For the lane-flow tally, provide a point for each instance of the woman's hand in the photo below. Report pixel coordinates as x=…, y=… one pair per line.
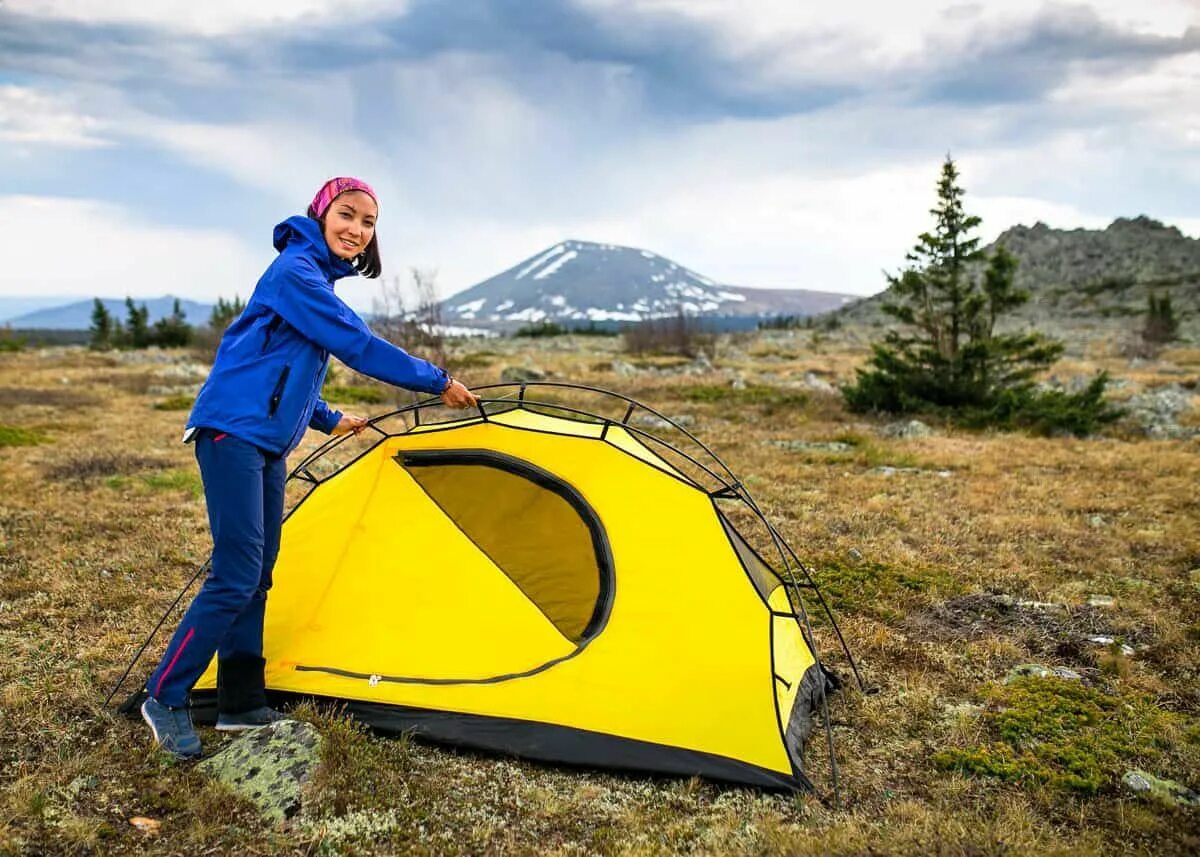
x=350, y=425
x=456, y=395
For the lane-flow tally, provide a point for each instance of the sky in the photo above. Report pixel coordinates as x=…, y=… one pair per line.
x=149, y=148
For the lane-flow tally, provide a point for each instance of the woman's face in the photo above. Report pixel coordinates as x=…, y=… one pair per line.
x=350, y=223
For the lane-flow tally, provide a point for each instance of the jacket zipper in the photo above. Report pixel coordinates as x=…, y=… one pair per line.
x=269, y=331
x=277, y=393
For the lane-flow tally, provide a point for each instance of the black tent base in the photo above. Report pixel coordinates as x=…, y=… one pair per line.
x=543, y=742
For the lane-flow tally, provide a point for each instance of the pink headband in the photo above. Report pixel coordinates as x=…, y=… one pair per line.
x=335, y=187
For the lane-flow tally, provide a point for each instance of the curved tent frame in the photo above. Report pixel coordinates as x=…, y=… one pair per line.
x=792, y=573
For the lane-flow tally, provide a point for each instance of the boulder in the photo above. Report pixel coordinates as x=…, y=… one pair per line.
x=1039, y=671
x=269, y=766
x=521, y=374
x=817, y=384
x=1164, y=791
x=906, y=430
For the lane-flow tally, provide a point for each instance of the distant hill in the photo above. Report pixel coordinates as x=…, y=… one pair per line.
x=1096, y=280
x=576, y=282
x=19, y=305
x=78, y=315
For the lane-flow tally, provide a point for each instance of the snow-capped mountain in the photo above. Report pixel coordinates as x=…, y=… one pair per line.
x=579, y=281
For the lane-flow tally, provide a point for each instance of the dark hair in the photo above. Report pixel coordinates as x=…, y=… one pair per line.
x=368, y=262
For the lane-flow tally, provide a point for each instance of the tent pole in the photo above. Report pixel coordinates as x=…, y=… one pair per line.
x=201, y=570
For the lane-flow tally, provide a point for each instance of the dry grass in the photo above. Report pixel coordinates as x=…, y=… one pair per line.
x=941, y=582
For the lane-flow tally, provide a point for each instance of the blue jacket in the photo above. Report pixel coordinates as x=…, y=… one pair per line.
x=265, y=384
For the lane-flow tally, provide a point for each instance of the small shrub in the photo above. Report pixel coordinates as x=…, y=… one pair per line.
x=17, y=436
x=175, y=403
x=351, y=394
x=9, y=341
x=82, y=468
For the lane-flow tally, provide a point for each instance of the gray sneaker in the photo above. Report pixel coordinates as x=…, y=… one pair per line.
x=254, y=719
x=172, y=728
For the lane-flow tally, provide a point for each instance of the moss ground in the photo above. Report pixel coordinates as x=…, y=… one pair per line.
x=982, y=551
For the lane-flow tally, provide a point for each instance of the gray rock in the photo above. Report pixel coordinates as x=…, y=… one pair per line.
x=855, y=555
x=269, y=766
x=1100, y=601
x=520, y=374
x=655, y=422
x=1164, y=791
x=818, y=384
x=1194, y=577
x=888, y=470
x=812, y=445
x=184, y=372
x=1105, y=640
x=623, y=369
x=1039, y=671
x=1096, y=521
x=738, y=383
x=1158, y=411
x=650, y=421
x=906, y=430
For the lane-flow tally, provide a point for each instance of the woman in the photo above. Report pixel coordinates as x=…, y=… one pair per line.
x=261, y=396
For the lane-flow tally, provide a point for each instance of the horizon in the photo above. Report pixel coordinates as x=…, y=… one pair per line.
x=786, y=148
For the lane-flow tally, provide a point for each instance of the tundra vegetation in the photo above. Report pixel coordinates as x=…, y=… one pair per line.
x=951, y=556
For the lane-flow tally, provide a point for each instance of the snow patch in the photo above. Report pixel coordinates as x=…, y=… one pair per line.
x=730, y=296
x=470, y=307
x=648, y=255
x=595, y=314
x=556, y=300
x=502, y=307
x=527, y=314
x=549, y=254
x=555, y=265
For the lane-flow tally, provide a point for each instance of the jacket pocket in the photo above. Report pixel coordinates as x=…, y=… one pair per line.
x=277, y=393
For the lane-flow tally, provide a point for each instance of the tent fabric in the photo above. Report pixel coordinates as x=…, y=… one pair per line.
x=544, y=586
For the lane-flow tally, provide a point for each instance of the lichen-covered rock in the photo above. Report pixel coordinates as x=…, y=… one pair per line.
x=1038, y=671
x=1158, y=789
x=905, y=430
x=269, y=766
x=520, y=374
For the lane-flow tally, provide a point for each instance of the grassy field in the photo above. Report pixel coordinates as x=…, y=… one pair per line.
x=979, y=552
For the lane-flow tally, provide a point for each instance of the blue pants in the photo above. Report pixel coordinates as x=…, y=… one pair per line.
x=243, y=487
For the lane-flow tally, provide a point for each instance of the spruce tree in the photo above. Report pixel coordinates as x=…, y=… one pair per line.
x=224, y=312
x=173, y=331
x=102, y=326
x=946, y=355
x=137, y=326
x=1161, y=324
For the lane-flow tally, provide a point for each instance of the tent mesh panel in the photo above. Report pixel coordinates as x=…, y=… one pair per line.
x=531, y=533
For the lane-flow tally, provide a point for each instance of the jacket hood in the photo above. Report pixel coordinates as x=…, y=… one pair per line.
x=305, y=233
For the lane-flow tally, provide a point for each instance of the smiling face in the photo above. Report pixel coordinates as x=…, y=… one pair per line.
x=350, y=223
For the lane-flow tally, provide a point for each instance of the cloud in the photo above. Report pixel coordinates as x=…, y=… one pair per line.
x=93, y=247
x=30, y=117
x=210, y=18
x=797, y=145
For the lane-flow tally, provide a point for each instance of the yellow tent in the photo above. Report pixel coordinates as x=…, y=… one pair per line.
x=548, y=585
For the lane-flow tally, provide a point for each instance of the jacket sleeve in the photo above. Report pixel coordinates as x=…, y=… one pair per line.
x=308, y=303
x=324, y=418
